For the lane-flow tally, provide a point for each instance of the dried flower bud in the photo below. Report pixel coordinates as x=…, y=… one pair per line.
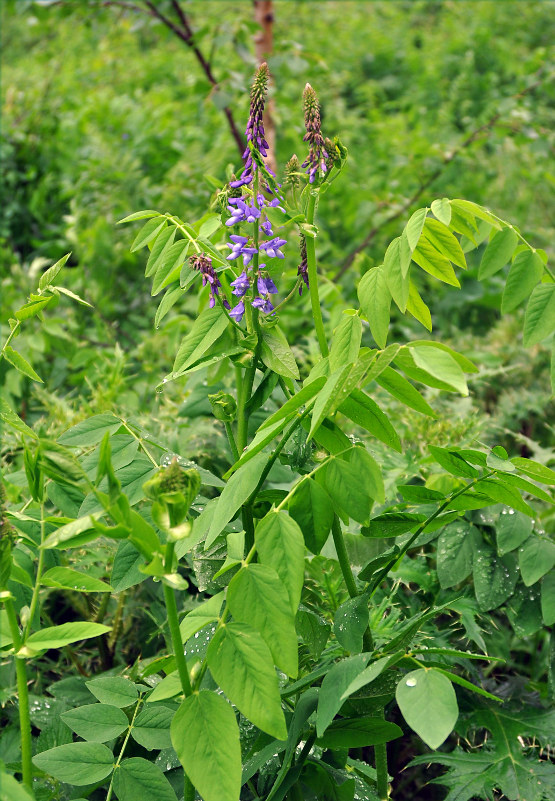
x=317, y=153
x=302, y=269
x=292, y=172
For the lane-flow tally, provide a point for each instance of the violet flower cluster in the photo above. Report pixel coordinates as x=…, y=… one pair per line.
x=249, y=208
x=317, y=155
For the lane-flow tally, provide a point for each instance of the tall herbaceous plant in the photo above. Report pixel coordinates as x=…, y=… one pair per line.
x=284, y=682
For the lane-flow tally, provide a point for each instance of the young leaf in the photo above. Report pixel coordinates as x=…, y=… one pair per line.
x=497, y=253
x=152, y=727
x=311, y=507
x=455, y=551
x=511, y=530
x=439, y=235
x=359, y=732
x=350, y=622
x=49, y=275
x=417, y=307
x=20, y=364
x=201, y=615
x=441, y=209
x=326, y=397
x=256, y=596
x=139, y=215
x=494, y=578
x=168, y=301
x=535, y=470
x=526, y=271
x=396, y=265
x=428, y=703
x=205, y=736
x=241, y=663
x=375, y=301
x=535, y=558
x=432, y=262
x=238, y=489
x=96, y=722
x=342, y=483
x=113, y=690
x=369, y=472
x=336, y=681
x=539, y=320
x=441, y=365
x=277, y=355
x=148, y=232
x=77, y=763
x=361, y=409
x=398, y=386
x=90, y=431
x=346, y=342
x=138, y=778
x=207, y=328
x=453, y=462
x=414, y=227
x=280, y=545
x=58, y=636
x=66, y=578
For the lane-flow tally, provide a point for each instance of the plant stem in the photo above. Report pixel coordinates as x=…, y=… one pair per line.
x=343, y=557
x=122, y=749
x=36, y=588
x=380, y=755
x=23, y=698
x=313, y=278
x=173, y=622
x=231, y=440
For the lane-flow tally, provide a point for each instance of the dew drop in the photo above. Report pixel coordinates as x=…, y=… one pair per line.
x=411, y=682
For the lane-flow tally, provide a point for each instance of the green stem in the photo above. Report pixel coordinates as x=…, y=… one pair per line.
x=122, y=749
x=141, y=443
x=13, y=332
x=343, y=557
x=231, y=440
x=248, y=525
x=23, y=698
x=313, y=278
x=173, y=622
x=380, y=755
x=36, y=588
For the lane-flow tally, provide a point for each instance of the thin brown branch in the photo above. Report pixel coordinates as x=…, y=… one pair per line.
x=486, y=128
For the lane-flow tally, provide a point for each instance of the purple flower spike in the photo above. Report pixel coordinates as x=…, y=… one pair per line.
x=238, y=311
x=272, y=247
x=264, y=304
x=317, y=154
x=266, y=286
x=203, y=263
x=240, y=285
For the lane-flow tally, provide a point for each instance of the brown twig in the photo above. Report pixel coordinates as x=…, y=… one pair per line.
x=448, y=158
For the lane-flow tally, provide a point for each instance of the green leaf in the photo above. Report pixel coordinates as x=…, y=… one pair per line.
x=69, y=294
x=20, y=364
x=535, y=558
x=138, y=778
x=311, y=507
x=346, y=342
x=313, y=630
x=33, y=308
x=398, y=386
x=441, y=209
x=371, y=673
x=359, y=733
x=361, y=409
x=497, y=253
x=277, y=355
x=201, y=615
x=256, y=596
x=148, y=232
x=241, y=663
x=443, y=240
x=238, y=489
x=125, y=570
x=168, y=265
x=205, y=736
x=151, y=728
x=455, y=550
x=535, y=470
x=263, y=437
x=453, y=462
x=139, y=215
x=207, y=328
x=428, y=703
x=548, y=599
x=9, y=417
x=539, y=320
x=392, y=524
x=49, y=275
x=90, y=431
x=494, y=577
x=526, y=271
x=349, y=496
x=69, y=579
x=502, y=492
x=77, y=763
x=296, y=401
x=113, y=690
x=396, y=266
x=58, y=636
x=280, y=545
x=12, y=790
x=168, y=301
x=327, y=396
x=414, y=227
x=96, y=722
x=417, y=307
x=335, y=682
x=441, y=365
x=375, y=301
x=369, y=472
x=432, y=262
x=511, y=530
x=350, y=622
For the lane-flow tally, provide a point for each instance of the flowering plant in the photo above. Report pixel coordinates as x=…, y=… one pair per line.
x=294, y=665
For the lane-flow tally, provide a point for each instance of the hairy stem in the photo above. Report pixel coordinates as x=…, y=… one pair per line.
x=23, y=698
x=380, y=754
x=173, y=623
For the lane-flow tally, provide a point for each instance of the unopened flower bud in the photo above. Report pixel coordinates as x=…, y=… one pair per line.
x=224, y=407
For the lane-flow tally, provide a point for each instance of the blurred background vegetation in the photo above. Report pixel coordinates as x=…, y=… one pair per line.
x=106, y=111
